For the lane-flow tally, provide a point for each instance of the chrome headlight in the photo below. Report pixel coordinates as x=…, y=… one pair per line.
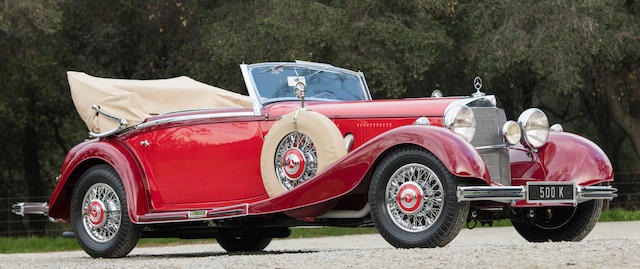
x=511, y=132
x=535, y=126
x=460, y=120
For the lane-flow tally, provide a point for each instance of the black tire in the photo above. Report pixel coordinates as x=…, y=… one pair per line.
x=125, y=239
x=451, y=217
x=567, y=224
x=243, y=243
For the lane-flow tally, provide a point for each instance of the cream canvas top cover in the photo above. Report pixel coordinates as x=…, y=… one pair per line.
x=136, y=100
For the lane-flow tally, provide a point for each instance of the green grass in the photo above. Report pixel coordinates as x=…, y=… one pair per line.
x=606, y=216
x=47, y=244
x=619, y=215
x=329, y=231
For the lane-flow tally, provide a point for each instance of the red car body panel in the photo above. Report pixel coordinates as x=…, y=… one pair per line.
x=342, y=177
x=565, y=157
x=202, y=166
x=94, y=152
x=212, y=163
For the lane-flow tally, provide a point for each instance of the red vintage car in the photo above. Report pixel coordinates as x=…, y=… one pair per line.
x=308, y=147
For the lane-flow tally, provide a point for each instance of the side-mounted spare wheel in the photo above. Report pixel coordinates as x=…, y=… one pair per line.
x=298, y=146
x=413, y=200
x=99, y=214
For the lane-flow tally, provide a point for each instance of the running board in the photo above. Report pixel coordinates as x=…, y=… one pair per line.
x=195, y=215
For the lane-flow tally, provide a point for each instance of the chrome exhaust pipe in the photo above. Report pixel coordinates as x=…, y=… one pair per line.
x=30, y=208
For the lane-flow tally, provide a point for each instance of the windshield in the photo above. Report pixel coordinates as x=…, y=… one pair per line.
x=275, y=82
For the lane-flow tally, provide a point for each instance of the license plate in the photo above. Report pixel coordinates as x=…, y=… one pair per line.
x=550, y=192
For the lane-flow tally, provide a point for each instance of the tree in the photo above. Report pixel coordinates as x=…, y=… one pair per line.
x=396, y=43
x=577, y=49
x=27, y=29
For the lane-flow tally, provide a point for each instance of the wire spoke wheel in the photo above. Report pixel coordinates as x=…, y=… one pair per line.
x=296, y=160
x=414, y=197
x=101, y=216
x=413, y=201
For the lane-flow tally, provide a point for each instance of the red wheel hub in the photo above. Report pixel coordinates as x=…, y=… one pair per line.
x=409, y=197
x=96, y=213
x=293, y=163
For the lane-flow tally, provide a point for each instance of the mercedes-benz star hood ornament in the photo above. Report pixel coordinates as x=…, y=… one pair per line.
x=477, y=83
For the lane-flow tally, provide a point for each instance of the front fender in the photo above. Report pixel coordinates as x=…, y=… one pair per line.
x=457, y=155
x=565, y=157
x=92, y=152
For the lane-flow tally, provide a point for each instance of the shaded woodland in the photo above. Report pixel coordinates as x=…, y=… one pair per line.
x=579, y=61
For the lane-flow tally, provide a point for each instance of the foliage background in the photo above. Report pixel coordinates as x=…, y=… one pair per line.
x=577, y=60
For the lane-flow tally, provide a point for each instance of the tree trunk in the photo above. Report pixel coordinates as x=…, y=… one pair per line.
x=629, y=124
x=31, y=161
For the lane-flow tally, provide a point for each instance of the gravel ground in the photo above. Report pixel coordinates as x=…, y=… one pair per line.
x=610, y=245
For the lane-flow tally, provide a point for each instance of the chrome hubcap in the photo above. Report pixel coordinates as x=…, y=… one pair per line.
x=101, y=216
x=414, y=197
x=409, y=197
x=296, y=160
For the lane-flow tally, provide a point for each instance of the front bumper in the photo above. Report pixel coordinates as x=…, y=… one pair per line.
x=512, y=194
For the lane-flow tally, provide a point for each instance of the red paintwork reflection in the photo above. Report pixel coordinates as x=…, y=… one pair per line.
x=404, y=108
x=115, y=155
x=210, y=163
x=202, y=166
x=342, y=177
x=565, y=157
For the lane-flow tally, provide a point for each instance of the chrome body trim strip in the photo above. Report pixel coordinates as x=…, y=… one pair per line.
x=233, y=211
x=163, y=217
x=512, y=194
x=194, y=117
x=504, y=146
x=183, y=216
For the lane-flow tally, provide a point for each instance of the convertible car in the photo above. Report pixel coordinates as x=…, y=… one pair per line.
x=309, y=147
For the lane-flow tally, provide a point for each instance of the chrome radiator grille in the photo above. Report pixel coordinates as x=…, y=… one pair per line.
x=489, y=121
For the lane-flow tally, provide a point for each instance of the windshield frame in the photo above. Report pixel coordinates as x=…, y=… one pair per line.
x=253, y=89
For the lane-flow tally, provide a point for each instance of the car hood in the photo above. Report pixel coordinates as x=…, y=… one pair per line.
x=429, y=107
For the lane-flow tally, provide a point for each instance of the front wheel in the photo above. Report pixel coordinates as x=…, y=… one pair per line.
x=99, y=214
x=243, y=243
x=413, y=200
x=560, y=223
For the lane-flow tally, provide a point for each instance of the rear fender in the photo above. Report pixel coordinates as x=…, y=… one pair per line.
x=88, y=154
x=458, y=156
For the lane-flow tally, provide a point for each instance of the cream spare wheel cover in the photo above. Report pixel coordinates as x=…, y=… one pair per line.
x=327, y=140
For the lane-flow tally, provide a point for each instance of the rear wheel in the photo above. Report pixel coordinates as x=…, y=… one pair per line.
x=560, y=223
x=413, y=200
x=243, y=243
x=99, y=214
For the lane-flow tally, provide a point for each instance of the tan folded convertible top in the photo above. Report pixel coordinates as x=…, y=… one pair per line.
x=136, y=100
